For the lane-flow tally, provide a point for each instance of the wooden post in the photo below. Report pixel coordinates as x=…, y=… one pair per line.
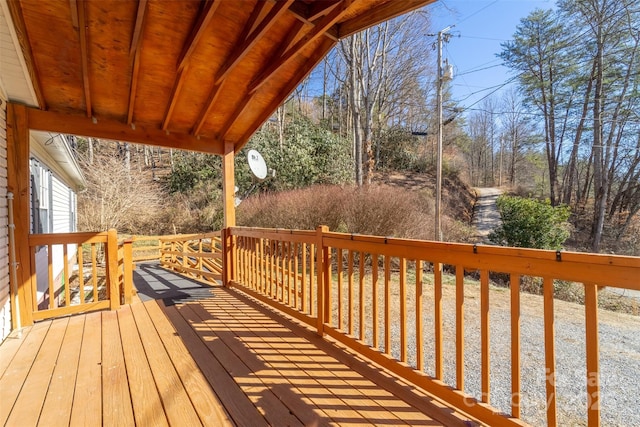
x=18, y=183
x=112, y=269
x=229, y=208
x=228, y=186
x=127, y=262
x=593, y=354
x=320, y=271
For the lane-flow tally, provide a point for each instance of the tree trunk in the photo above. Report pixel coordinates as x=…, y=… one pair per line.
x=599, y=177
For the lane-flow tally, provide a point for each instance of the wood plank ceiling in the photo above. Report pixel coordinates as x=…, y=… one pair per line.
x=193, y=74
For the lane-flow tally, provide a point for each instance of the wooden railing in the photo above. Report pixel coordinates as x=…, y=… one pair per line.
x=95, y=273
x=197, y=255
x=145, y=248
x=369, y=292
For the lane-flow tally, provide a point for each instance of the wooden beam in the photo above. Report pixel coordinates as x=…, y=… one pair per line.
x=286, y=91
x=258, y=14
x=320, y=8
x=379, y=14
x=137, y=29
x=74, y=13
x=204, y=113
x=197, y=31
x=19, y=183
x=15, y=10
x=173, y=99
x=323, y=25
x=228, y=186
x=224, y=130
x=304, y=14
x=118, y=131
x=84, y=54
x=248, y=39
x=133, y=88
x=254, y=36
x=135, y=50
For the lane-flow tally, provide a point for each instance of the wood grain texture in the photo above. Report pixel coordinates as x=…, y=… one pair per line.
x=181, y=66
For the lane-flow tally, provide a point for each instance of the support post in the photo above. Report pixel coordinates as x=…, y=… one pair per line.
x=18, y=183
x=229, y=207
x=228, y=186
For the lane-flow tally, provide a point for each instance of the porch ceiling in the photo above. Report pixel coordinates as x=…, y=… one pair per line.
x=208, y=72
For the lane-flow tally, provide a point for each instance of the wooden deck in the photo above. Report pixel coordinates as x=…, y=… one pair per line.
x=220, y=360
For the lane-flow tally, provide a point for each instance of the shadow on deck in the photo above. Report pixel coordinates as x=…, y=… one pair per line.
x=194, y=355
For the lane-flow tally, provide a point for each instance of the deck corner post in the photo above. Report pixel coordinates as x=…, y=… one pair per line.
x=112, y=269
x=321, y=279
x=19, y=183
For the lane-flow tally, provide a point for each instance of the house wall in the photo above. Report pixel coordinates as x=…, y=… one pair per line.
x=5, y=310
x=60, y=218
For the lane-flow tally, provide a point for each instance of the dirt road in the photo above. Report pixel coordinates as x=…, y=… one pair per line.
x=485, y=215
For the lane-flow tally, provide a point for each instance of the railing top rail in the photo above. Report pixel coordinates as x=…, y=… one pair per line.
x=67, y=238
x=184, y=237
x=542, y=254
x=602, y=269
x=272, y=233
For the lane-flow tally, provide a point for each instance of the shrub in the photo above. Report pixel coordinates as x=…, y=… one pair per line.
x=378, y=210
x=530, y=223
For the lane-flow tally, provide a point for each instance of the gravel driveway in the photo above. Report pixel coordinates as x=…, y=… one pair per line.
x=619, y=351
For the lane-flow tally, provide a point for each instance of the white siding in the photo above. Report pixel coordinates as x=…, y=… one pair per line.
x=61, y=204
x=5, y=311
x=60, y=198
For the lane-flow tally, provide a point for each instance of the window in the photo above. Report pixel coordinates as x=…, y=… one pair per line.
x=40, y=198
x=73, y=221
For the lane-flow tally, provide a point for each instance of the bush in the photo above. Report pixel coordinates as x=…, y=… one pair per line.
x=378, y=210
x=529, y=223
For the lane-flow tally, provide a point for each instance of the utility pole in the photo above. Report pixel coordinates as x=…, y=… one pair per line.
x=440, y=78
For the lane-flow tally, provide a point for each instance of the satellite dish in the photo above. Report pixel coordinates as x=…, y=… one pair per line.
x=257, y=165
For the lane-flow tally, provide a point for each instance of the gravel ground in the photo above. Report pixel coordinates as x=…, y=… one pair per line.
x=619, y=350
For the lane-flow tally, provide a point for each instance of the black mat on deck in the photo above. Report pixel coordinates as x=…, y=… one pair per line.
x=155, y=282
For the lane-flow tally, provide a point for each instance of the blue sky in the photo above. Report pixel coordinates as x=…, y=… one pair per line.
x=480, y=27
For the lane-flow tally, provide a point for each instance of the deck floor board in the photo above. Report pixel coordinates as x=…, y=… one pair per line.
x=31, y=398
x=219, y=359
x=147, y=406
x=59, y=399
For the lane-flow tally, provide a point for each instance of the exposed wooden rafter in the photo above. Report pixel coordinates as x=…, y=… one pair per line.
x=133, y=88
x=204, y=113
x=307, y=14
x=118, y=131
x=290, y=87
x=189, y=46
x=296, y=33
x=73, y=4
x=84, y=54
x=173, y=99
x=257, y=16
x=138, y=27
x=319, y=9
x=317, y=31
x=15, y=10
x=252, y=38
x=224, y=130
x=136, y=43
x=197, y=31
x=255, y=28
x=379, y=14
